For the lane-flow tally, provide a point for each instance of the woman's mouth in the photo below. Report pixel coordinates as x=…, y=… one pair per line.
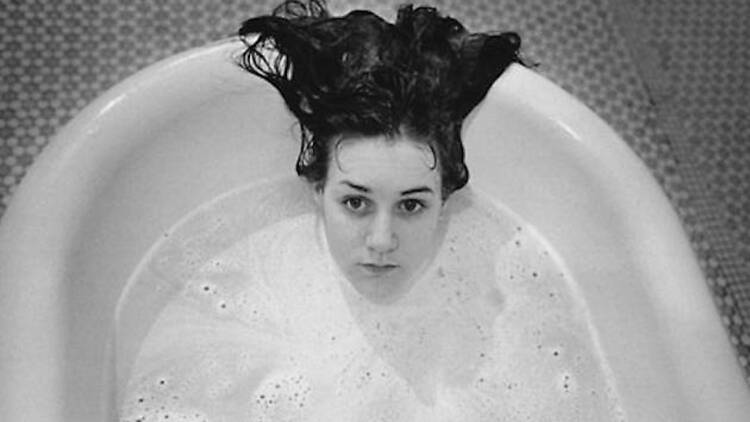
x=377, y=269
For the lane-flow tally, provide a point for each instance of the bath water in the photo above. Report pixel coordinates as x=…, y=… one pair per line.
x=251, y=320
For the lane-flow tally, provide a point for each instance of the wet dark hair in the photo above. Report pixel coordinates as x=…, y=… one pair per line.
x=358, y=74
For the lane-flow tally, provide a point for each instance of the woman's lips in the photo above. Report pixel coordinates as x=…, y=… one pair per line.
x=377, y=269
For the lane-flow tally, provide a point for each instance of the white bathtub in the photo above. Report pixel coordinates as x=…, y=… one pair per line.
x=194, y=126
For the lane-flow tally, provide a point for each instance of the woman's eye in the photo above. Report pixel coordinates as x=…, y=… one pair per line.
x=411, y=206
x=355, y=204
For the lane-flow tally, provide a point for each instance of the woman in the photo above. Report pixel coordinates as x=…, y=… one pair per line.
x=344, y=315
x=381, y=108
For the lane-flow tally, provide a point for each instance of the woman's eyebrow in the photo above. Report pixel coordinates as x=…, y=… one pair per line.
x=356, y=186
x=417, y=190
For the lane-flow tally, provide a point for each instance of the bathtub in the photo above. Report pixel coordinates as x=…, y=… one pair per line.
x=194, y=126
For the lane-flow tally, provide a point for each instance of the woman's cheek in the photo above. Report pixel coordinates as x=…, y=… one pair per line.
x=345, y=229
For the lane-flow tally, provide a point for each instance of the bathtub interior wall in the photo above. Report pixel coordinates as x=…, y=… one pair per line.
x=179, y=168
x=134, y=162
x=209, y=148
x=189, y=129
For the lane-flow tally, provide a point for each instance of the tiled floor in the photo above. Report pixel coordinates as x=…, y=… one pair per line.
x=672, y=77
x=694, y=57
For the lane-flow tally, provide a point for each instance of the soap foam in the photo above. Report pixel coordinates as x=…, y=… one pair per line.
x=262, y=326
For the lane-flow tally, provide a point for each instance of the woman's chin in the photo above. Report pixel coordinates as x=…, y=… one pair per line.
x=380, y=285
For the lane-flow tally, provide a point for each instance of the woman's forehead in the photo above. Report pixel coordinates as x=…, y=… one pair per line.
x=397, y=152
x=387, y=163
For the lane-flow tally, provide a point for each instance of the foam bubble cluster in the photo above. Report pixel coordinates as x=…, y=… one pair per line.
x=268, y=330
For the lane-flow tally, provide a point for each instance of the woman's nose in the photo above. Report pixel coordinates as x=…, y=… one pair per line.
x=381, y=237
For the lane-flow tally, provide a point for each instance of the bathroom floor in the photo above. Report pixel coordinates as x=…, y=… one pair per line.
x=672, y=77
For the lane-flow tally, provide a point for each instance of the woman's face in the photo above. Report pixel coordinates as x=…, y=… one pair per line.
x=381, y=206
